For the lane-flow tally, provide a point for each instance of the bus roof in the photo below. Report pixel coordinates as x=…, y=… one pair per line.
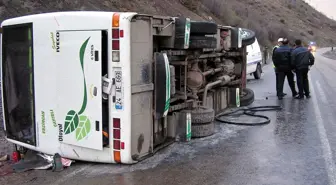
x=29, y=18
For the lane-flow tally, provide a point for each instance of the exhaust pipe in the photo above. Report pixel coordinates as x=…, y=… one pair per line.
x=221, y=80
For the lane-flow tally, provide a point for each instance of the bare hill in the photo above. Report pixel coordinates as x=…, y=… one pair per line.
x=269, y=18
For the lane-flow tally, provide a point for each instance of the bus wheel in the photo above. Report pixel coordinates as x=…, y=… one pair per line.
x=247, y=97
x=202, y=130
x=203, y=28
x=202, y=121
x=257, y=73
x=201, y=115
x=200, y=42
x=196, y=27
x=248, y=36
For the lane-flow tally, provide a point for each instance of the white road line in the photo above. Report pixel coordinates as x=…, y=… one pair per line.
x=320, y=90
x=327, y=153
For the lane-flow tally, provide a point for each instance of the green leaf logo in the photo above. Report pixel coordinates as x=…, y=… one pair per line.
x=71, y=122
x=81, y=58
x=77, y=121
x=84, y=127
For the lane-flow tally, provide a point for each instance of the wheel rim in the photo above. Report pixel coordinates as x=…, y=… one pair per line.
x=244, y=34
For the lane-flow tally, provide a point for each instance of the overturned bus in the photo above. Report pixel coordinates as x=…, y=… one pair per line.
x=114, y=87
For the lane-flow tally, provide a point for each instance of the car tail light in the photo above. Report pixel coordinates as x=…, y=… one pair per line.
x=117, y=144
x=115, y=20
x=116, y=122
x=115, y=33
x=115, y=44
x=116, y=133
x=117, y=156
x=122, y=145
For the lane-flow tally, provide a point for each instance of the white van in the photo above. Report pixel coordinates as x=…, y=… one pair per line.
x=254, y=60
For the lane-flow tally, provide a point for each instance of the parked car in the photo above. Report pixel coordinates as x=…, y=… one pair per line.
x=254, y=60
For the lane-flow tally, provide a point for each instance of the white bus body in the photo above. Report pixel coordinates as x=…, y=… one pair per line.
x=67, y=55
x=82, y=84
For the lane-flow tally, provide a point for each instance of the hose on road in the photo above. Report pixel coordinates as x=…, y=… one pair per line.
x=250, y=111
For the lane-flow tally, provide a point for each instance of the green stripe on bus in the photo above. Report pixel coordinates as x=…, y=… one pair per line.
x=30, y=65
x=167, y=86
x=30, y=58
x=29, y=34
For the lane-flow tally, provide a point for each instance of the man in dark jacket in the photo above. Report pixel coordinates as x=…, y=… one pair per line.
x=275, y=71
x=302, y=59
x=282, y=61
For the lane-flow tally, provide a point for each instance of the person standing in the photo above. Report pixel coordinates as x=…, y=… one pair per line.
x=275, y=47
x=282, y=63
x=275, y=71
x=302, y=60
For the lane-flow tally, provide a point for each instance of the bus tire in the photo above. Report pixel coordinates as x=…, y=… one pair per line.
x=257, y=73
x=203, y=28
x=247, y=97
x=200, y=42
x=248, y=37
x=201, y=115
x=202, y=130
x=180, y=25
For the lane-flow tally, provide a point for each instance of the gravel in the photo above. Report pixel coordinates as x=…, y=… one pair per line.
x=5, y=146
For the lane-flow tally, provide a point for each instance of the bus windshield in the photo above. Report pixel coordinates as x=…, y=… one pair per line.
x=17, y=86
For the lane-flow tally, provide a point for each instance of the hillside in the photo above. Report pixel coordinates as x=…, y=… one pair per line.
x=269, y=18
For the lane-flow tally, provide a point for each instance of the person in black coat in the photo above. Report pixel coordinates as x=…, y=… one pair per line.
x=282, y=62
x=302, y=60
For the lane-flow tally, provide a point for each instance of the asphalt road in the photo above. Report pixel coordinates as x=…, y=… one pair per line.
x=297, y=147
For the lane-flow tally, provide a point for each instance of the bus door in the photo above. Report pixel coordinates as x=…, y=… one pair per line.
x=79, y=87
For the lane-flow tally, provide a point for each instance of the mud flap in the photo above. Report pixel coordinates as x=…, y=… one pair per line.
x=182, y=127
x=162, y=85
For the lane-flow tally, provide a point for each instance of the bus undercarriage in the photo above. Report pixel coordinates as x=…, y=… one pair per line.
x=205, y=77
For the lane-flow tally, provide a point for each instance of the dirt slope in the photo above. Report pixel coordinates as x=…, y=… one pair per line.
x=269, y=18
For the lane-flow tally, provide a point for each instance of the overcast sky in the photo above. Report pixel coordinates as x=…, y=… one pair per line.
x=325, y=6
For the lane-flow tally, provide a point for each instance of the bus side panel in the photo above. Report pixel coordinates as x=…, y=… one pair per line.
x=142, y=87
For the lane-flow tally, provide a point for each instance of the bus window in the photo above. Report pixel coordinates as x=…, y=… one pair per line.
x=17, y=76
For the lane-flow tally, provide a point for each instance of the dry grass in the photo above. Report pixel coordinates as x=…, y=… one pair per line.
x=269, y=19
x=276, y=18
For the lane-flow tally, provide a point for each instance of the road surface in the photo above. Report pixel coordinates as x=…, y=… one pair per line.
x=297, y=148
